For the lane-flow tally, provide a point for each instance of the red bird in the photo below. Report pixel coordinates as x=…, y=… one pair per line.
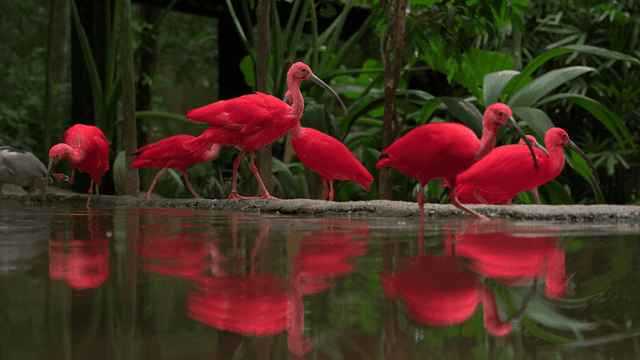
x=503, y=175
x=170, y=153
x=328, y=157
x=493, y=194
x=253, y=121
x=444, y=150
x=87, y=149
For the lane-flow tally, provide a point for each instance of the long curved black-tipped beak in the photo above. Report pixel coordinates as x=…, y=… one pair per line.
x=571, y=145
x=317, y=80
x=511, y=122
x=47, y=178
x=541, y=148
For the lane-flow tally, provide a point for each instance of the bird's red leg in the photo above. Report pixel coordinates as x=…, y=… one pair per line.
x=476, y=193
x=421, y=202
x=72, y=178
x=455, y=202
x=325, y=193
x=90, y=192
x=186, y=180
x=234, y=191
x=153, y=183
x=331, y=191
x=534, y=192
x=264, y=188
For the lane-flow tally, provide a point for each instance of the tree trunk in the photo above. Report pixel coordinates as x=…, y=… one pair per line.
x=56, y=73
x=128, y=98
x=262, y=85
x=392, y=52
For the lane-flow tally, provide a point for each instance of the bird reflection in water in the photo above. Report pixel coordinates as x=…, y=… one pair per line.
x=439, y=292
x=515, y=254
x=82, y=261
x=260, y=305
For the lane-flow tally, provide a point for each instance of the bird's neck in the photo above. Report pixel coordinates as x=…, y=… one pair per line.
x=297, y=131
x=487, y=143
x=557, y=157
x=72, y=154
x=297, y=102
x=212, y=153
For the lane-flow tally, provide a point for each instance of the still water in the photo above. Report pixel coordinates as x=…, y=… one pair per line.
x=160, y=283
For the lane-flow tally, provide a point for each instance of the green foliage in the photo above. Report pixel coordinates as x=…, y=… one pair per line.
x=22, y=74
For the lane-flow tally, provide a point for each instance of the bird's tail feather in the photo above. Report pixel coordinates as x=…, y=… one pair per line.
x=197, y=146
x=384, y=162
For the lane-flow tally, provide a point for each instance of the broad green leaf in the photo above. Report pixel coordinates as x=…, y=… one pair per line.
x=544, y=84
x=537, y=119
x=248, y=70
x=543, y=314
x=464, y=111
x=427, y=110
x=556, y=193
x=607, y=117
x=583, y=169
x=479, y=62
x=494, y=83
x=595, y=50
x=605, y=339
x=531, y=67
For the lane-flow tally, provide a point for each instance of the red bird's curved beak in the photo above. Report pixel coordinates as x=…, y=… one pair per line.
x=571, y=145
x=511, y=122
x=322, y=84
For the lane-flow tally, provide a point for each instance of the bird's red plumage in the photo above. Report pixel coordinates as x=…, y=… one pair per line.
x=507, y=171
x=329, y=157
x=250, y=121
x=167, y=153
x=93, y=144
x=432, y=151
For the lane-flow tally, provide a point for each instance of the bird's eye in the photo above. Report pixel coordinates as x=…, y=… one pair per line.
x=500, y=113
x=303, y=70
x=564, y=136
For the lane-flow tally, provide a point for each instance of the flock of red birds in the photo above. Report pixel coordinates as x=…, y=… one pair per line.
x=471, y=167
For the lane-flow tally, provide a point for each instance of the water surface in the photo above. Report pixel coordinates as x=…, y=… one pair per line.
x=159, y=283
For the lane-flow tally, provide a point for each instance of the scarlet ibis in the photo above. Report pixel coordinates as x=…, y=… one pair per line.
x=491, y=194
x=508, y=173
x=512, y=254
x=82, y=264
x=438, y=292
x=87, y=149
x=253, y=121
x=444, y=150
x=170, y=153
x=328, y=157
x=22, y=168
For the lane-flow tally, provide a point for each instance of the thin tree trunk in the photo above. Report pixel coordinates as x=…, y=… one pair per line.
x=262, y=85
x=56, y=73
x=128, y=97
x=392, y=52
